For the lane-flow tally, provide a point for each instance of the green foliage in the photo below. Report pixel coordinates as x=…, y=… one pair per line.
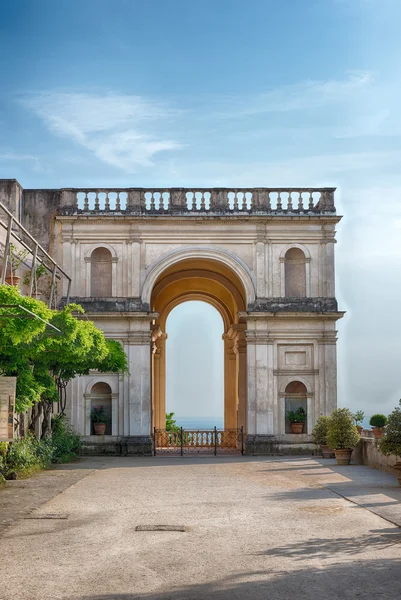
x=341, y=431
x=171, y=424
x=298, y=416
x=64, y=442
x=27, y=455
x=40, y=271
x=390, y=443
x=378, y=420
x=359, y=416
x=16, y=257
x=319, y=432
x=41, y=358
x=98, y=415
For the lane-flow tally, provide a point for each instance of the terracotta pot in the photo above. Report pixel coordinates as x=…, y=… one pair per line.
x=297, y=427
x=378, y=432
x=326, y=451
x=99, y=428
x=343, y=456
x=13, y=280
x=360, y=429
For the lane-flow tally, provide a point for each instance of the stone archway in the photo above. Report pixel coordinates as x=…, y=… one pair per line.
x=217, y=284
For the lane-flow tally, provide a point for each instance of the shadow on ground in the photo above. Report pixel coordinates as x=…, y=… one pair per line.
x=323, y=548
x=356, y=580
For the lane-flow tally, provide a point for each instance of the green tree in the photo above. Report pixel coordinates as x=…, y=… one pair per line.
x=43, y=360
x=390, y=443
x=171, y=424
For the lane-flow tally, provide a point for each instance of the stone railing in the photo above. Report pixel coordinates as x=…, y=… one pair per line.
x=163, y=201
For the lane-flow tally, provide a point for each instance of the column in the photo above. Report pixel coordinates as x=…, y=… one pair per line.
x=260, y=270
x=114, y=414
x=261, y=401
x=159, y=379
x=136, y=269
x=240, y=349
x=230, y=384
x=114, y=261
x=139, y=364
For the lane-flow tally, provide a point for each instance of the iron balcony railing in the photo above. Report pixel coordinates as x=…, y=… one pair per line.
x=20, y=248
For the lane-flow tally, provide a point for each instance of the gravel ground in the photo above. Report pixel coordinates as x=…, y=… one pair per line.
x=271, y=528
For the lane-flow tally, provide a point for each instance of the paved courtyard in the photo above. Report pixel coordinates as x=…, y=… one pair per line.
x=271, y=528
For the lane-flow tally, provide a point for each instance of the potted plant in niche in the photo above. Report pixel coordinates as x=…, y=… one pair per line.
x=378, y=423
x=16, y=258
x=390, y=443
x=319, y=436
x=99, y=420
x=342, y=434
x=358, y=418
x=297, y=419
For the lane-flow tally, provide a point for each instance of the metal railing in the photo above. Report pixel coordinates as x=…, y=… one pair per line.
x=198, y=441
x=19, y=240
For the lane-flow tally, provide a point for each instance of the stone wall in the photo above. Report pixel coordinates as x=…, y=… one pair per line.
x=367, y=453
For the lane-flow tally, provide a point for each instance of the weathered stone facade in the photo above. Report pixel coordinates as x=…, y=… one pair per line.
x=263, y=257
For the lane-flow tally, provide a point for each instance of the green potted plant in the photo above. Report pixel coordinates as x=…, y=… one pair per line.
x=342, y=434
x=378, y=423
x=390, y=443
x=99, y=420
x=40, y=272
x=359, y=416
x=319, y=435
x=16, y=258
x=297, y=419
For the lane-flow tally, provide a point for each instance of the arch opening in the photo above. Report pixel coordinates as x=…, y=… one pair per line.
x=195, y=365
x=214, y=283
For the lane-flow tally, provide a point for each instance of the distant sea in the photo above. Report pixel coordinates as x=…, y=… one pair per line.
x=200, y=422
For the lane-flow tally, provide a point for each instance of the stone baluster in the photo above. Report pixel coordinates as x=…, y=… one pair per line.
x=279, y=205
x=152, y=201
x=235, y=205
x=161, y=201
x=289, y=205
x=300, y=202
x=97, y=205
x=202, y=202
x=86, y=202
x=118, y=203
x=310, y=206
x=107, y=202
x=268, y=203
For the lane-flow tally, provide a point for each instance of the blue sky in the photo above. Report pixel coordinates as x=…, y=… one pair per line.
x=227, y=92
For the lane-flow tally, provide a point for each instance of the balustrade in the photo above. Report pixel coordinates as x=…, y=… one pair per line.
x=164, y=201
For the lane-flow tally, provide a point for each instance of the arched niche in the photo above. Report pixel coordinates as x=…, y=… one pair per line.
x=295, y=273
x=101, y=396
x=296, y=396
x=101, y=273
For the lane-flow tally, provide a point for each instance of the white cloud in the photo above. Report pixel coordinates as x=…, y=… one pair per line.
x=15, y=156
x=116, y=128
x=305, y=95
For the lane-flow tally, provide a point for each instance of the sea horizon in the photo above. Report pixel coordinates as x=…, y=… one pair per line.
x=200, y=422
